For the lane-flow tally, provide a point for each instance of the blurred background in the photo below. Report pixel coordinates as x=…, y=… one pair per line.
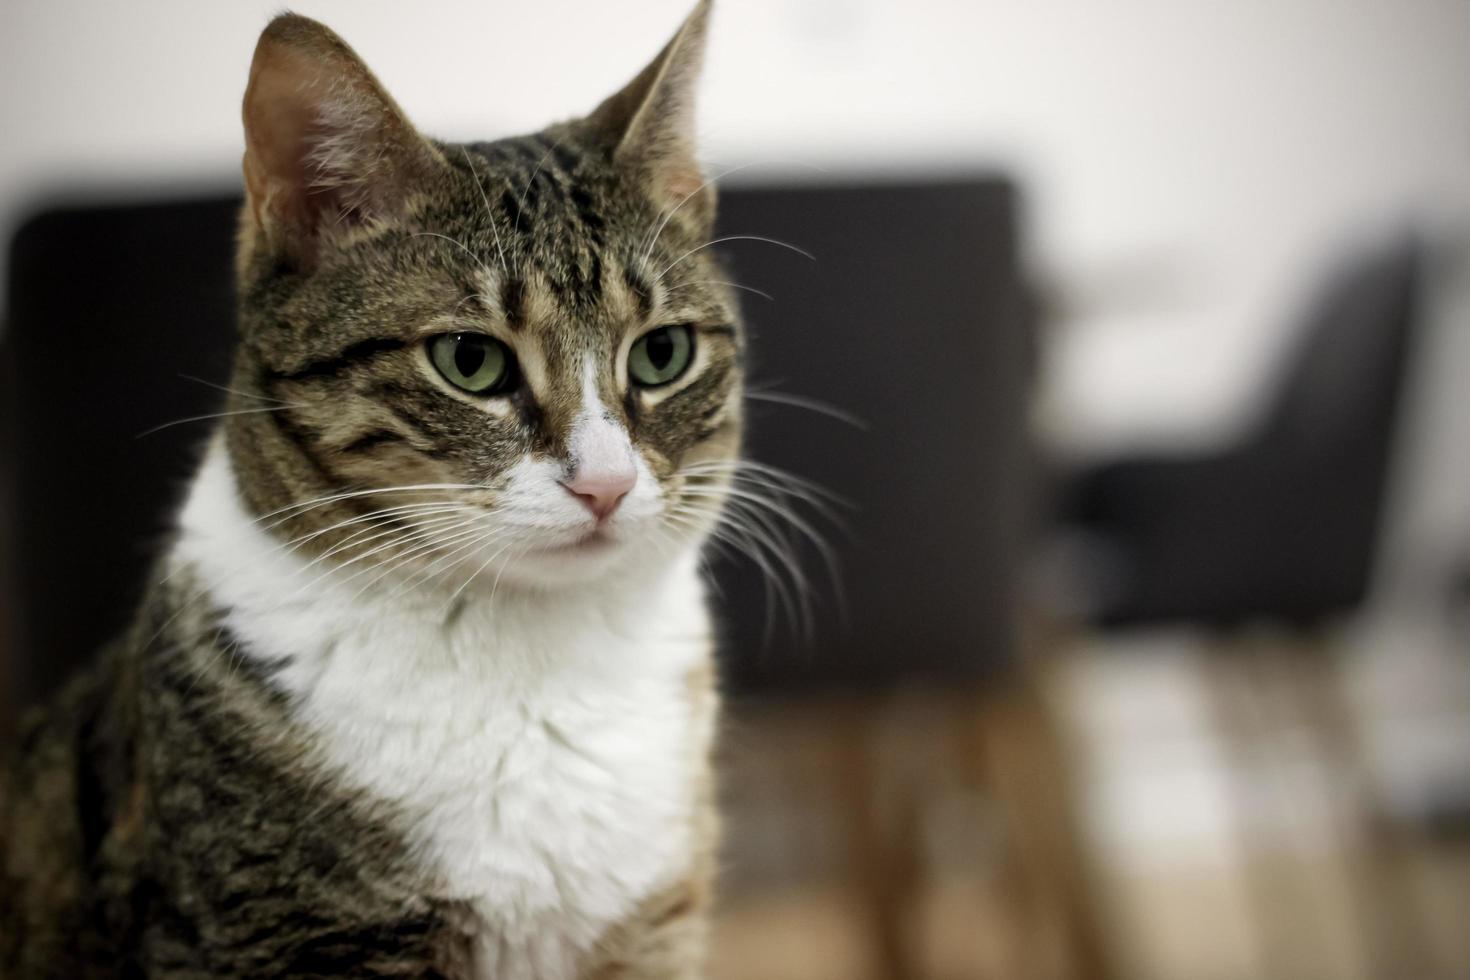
x=1132, y=353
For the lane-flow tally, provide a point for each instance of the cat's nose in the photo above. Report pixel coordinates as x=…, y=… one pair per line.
x=601, y=489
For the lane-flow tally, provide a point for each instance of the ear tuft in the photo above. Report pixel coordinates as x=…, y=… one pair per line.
x=325, y=145
x=652, y=121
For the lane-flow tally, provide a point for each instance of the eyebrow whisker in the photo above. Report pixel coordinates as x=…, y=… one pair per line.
x=489, y=212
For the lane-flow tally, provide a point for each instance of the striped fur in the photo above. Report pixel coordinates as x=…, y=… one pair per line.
x=207, y=802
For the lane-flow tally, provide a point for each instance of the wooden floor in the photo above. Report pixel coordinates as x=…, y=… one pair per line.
x=1203, y=861
x=1163, y=927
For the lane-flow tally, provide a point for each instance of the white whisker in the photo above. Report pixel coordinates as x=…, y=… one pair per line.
x=380, y=515
x=233, y=391
x=489, y=212
x=466, y=543
x=731, y=238
x=357, y=539
x=214, y=415
x=811, y=404
x=721, y=282
x=396, y=561
x=474, y=575
x=534, y=173
x=457, y=244
x=301, y=506
x=663, y=221
x=758, y=512
x=412, y=540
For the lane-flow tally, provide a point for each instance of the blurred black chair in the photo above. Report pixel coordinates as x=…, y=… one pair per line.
x=912, y=323
x=913, y=319
x=1282, y=525
x=1279, y=530
x=111, y=311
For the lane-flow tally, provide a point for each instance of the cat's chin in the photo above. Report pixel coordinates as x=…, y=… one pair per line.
x=624, y=554
x=596, y=542
x=558, y=569
x=587, y=560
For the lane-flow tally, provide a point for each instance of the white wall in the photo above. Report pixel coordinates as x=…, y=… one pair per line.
x=1188, y=162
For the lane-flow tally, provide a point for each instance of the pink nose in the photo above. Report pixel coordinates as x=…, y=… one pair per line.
x=601, y=490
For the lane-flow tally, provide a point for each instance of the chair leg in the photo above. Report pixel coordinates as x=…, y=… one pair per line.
x=1276, y=914
x=1011, y=751
x=1021, y=759
x=1372, y=846
x=1256, y=692
x=883, y=855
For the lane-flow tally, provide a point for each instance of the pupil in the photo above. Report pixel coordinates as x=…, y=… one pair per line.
x=469, y=358
x=660, y=349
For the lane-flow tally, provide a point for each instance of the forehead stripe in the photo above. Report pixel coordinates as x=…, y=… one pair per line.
x=327, y=367
x=512, y=208
x=565, y=158
x=513, y=303
x=642, y=292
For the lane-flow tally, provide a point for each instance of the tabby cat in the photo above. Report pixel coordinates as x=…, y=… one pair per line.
x=425, y=687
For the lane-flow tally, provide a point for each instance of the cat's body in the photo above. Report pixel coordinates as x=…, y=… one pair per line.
x=515, y=793
x=426, y=685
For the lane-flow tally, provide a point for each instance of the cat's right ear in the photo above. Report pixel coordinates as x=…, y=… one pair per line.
x=326, y=148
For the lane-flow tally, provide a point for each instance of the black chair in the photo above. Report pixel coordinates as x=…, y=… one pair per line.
x=1265, y=545
x=1283, y=525
x=911, y=319
x=111, y=309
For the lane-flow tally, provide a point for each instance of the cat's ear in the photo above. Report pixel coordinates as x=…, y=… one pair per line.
x=326, y=148
x=652, y=122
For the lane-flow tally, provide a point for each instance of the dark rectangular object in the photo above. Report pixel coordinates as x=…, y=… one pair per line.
x=911, y=319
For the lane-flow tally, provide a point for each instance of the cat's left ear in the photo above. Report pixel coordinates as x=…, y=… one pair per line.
x=652, y=123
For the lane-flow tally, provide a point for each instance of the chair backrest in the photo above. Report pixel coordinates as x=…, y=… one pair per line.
x=1282, y=525
x=1325, y=447
x=1343, y=381
x=911, y=319
x=109, y=309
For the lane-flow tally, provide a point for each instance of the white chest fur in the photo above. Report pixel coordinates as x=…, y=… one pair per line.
x=541, y=747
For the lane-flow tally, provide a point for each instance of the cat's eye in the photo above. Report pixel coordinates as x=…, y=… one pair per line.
x=473, y=362
x=660, y=356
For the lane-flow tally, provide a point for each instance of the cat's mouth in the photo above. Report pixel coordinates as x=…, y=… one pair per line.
x=594, y=541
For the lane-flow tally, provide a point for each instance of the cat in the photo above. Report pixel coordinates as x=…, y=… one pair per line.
x=424, y=686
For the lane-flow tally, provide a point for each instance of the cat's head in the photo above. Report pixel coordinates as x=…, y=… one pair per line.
x=516, y=356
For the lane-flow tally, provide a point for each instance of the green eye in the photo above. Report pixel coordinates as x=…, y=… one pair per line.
x=660, y=356
x=473, y=362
